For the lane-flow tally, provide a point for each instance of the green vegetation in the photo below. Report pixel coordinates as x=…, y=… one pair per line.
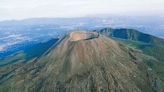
x=157, y=67
x=156, y=51
x=19, y=56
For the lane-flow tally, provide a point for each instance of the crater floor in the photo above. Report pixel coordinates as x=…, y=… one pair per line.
x=82, y=35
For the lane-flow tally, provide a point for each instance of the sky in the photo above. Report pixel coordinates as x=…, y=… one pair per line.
x=21, y=9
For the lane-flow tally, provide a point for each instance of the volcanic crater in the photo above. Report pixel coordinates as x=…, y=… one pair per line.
x=82, y=35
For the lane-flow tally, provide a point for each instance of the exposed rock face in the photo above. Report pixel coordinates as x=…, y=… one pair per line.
x=84, y=62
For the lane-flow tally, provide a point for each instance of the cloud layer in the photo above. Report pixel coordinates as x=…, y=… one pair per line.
x=18, y=9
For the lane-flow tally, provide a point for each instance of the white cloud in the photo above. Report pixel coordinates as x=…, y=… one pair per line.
x=17, y=9
x=2, y=47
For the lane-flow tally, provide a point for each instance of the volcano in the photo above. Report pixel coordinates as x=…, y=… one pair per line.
x=84, y=62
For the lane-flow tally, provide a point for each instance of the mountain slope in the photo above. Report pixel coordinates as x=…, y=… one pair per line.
x=131, y=34
x=150, y=45
x=84, y=62
x=154, y=50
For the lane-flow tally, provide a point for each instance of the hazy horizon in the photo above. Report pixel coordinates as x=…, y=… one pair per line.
x=22, y=9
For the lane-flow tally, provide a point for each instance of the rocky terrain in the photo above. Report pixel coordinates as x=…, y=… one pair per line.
x=84, y=62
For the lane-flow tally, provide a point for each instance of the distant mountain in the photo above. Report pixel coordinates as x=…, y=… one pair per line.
x=83, y=62
x=131, y=34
